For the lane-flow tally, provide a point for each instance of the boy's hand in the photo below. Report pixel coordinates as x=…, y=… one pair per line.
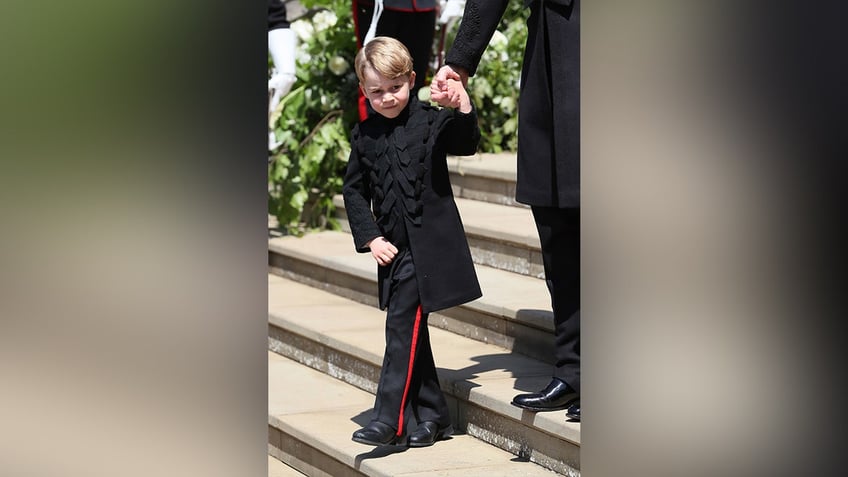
x=454, y=96
x=439, y=87
x=382, y=250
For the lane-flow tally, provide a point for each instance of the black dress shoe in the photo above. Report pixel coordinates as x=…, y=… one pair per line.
x=377, y=433
x=428, y=433
x=573, y=411
x=557, y=395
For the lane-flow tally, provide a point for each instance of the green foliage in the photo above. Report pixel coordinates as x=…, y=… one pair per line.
x=494, y=88
x=313, y=121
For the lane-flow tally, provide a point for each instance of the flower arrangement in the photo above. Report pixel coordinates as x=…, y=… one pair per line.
x=312, y=122
x=494, y=89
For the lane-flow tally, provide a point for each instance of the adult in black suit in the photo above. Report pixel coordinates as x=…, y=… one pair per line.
x=548, y=162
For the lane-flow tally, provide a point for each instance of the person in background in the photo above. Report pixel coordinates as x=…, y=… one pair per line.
x=548, y=162
x=281, y=45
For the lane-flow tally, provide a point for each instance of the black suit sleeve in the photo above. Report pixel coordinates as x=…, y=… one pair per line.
x=357, y=198
x=460, y=133
x=479, y=22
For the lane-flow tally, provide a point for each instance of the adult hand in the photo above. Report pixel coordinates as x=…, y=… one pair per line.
x=458, y=97
x=439, y=91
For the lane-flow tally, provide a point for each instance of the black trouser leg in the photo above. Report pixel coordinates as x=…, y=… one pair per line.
x=428, y=400
x=559, y=234
x=408, y=374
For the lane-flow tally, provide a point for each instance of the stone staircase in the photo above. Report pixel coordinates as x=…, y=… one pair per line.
x=326, y=342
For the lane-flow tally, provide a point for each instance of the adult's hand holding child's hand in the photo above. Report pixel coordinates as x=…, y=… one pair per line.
x=439, y=91
x=458, y=97
x=447, y=89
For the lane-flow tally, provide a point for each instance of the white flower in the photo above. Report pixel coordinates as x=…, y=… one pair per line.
x=302, y=55
x=303, y=29
x=499, y=40
x=324, y=19
x=338, y=65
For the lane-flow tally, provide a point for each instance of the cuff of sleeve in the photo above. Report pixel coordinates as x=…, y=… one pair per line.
x=361, y=245
x=469, y=116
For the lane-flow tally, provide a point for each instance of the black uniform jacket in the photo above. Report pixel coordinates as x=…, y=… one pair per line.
x=549, y=107
x=397, y=186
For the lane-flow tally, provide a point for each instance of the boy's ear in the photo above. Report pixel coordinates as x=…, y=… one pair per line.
x=411, y=79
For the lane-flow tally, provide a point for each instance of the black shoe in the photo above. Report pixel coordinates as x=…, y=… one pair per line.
x=556, y=396
x=377, y=433
x=428, y=433
x=573, y=412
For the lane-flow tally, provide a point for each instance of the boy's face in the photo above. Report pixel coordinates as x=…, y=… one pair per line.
x=387, y=96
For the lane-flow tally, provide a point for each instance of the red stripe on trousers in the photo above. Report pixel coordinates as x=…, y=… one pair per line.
x=409, y=368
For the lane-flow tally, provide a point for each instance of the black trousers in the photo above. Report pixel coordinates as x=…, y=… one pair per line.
x=408, y=381
x=559, y=234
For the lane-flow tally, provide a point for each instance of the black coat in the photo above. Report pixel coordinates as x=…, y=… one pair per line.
x=397, y=186
x=549, y=106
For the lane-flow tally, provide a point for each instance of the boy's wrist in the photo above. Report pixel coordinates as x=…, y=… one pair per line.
x=465, y=106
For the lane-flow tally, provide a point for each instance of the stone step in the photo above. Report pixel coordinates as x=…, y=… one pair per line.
x=313, y=435
x=345, y=339
x=499, y=236
x=485, y=177
x=277, y=468
x=514, y=312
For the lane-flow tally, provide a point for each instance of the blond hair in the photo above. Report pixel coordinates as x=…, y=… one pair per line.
x=386, y=55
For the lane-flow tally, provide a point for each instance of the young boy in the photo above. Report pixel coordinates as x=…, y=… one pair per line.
x=401, y=209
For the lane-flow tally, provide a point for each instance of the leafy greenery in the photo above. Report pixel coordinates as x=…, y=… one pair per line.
x=313, y=121
x=494, y=89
